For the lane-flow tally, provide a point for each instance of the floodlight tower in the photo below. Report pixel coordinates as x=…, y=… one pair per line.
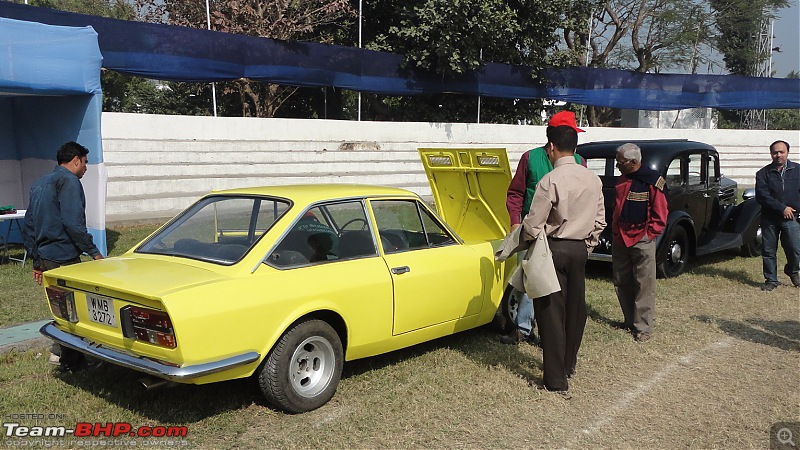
x=756, y=119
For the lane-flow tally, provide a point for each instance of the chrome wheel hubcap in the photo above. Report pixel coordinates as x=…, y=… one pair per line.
x=312, y=366
x=675, y=253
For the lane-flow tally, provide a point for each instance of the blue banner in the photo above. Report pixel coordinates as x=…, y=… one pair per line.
x=174, y=53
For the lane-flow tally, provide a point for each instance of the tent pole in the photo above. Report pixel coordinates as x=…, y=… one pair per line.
x=213, y=85
x=359, y=46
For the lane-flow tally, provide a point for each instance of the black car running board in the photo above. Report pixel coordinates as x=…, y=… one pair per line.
x=722, y=241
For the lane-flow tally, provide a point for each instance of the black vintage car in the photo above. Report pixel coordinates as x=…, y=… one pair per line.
x=704, y=216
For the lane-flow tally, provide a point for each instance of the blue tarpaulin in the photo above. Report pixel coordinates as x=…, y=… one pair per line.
x=49, y=94
x=168, y=52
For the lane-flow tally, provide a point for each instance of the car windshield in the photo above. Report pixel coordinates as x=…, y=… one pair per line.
x=219, y=229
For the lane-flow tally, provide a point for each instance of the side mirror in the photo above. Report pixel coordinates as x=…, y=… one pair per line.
x=748, y=194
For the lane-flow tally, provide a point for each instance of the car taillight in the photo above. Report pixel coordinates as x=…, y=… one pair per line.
x=62, y=303
x=148, y=325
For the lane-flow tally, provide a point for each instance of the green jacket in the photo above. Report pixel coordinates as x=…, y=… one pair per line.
x=538, y=165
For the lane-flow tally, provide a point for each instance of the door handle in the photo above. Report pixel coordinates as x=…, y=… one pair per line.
x=400, y=270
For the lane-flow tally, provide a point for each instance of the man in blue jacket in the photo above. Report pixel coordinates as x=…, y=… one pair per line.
x=55, y=231
x=778, y=193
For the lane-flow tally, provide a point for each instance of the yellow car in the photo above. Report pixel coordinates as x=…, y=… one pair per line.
x=285, y=283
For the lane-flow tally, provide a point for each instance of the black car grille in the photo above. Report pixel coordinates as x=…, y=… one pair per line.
x=727, y=194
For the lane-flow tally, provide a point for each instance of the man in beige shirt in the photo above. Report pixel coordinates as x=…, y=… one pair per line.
x=568, y=207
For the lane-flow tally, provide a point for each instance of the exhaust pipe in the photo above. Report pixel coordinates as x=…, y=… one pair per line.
x=151, y=384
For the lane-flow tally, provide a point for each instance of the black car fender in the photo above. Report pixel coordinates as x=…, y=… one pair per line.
x=745, y=219
x=675, y=219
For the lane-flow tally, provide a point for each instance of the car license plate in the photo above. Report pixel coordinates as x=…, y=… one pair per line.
x=101, y=310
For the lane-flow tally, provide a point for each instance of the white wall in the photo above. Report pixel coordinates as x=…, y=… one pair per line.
x=158, y=165
x=694, y=118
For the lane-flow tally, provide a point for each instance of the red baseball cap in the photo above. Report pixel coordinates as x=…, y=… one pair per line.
x=564, y=118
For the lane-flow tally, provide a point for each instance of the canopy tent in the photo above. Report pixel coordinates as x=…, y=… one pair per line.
x=49, y=94
x=186, y=54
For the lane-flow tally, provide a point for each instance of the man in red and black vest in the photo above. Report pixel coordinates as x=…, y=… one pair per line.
x=640, y=215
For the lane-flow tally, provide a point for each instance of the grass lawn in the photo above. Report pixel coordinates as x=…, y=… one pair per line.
x=722, y=368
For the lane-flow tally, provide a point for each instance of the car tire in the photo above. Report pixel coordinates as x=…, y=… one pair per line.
x=753, y=246
x=302, y=371
x=677, y=254
x=505, y=318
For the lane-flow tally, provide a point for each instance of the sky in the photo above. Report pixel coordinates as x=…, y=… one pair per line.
x=787, y=37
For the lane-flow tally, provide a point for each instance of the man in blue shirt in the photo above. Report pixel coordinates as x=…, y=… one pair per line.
x=778, y=192
x=55, y=231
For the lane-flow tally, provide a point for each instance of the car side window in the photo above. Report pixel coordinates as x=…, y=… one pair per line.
x=325, y=233
x=712, y=172
x=674, y=176
x=218, y=229
x=605, y=168
x=598, y=165
x=696, y=173
x=404, y=225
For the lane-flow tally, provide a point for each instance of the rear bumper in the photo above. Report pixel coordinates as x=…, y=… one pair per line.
x=141, y=364
x=600, y=257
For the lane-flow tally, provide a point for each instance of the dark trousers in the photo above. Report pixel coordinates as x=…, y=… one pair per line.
x=561, y=316
x=634, y=271
x=46, y=264
x=68, y=356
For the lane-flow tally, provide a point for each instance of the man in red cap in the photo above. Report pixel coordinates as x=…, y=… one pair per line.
x=533, y=165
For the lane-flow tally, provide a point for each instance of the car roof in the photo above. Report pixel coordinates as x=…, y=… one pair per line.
x=310, y=193
x=667, y=146
x=655, y=152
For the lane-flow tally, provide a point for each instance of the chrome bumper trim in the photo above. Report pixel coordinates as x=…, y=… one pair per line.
x=599, y=257
x=142, y=364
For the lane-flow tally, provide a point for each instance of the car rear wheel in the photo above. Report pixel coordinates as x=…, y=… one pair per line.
x=677, y=254
x=303, y=369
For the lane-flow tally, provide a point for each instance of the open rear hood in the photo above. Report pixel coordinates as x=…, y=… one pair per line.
x=469, y=187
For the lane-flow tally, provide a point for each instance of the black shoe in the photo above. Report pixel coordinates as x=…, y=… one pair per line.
x=70, y=359
x=622, y=326
x=795, y=279
x=563, y=393
x=512, y=338
x=533, y=339
x=768, y=286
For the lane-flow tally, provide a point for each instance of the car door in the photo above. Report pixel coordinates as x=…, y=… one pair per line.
x=698, y=199
x=714, y=209
x=436, y=278
x=328, y=257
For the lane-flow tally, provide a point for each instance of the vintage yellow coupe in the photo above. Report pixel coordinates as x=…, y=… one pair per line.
x=285, y=283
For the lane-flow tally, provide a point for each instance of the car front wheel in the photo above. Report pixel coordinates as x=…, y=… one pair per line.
x=677, y=254
x=753, y=246
x=505, y=318
x=303, y=369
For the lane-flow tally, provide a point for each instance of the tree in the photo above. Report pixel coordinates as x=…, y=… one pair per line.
x=739, y=23
x=450, y=38
x=115, y=9
x=639, y=35
x=312, y=20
